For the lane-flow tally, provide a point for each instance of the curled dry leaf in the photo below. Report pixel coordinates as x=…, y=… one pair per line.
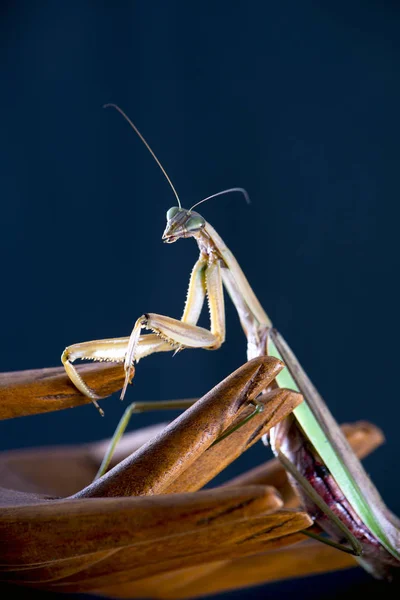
x=144, y=529
x=44, y=390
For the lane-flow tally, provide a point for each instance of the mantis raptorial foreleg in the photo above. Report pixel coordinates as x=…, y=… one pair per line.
x=185, y=333
x=169, y=334
x=112, y=350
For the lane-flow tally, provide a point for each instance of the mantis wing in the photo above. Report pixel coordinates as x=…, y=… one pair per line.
x=350, y=476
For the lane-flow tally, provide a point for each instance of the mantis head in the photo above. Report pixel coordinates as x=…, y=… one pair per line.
x=182, y=223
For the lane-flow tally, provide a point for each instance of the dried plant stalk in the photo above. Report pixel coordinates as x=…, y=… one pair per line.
x=143, y=529
x=44, y=390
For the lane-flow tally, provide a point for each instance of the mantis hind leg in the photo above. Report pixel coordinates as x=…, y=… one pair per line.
x=307, y=488
x=138, y=407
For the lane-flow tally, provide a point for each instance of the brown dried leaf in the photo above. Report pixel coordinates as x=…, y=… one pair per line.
x=84, y=542
x=308, y=558
x=64, y=470
x=277, y=403
x=166, y=546
x=157, y=464
x=44, y=390
x=212, y=542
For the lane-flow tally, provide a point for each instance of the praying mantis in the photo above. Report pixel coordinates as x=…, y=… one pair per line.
x=335, y=489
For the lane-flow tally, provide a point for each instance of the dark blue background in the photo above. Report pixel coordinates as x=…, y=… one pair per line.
x=296, y=101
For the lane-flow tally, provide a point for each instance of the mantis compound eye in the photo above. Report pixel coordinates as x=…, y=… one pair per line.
x=172, y=212
x=195, y=222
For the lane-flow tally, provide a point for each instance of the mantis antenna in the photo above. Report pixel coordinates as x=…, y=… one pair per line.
x=136, y=130
x=235, y=189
